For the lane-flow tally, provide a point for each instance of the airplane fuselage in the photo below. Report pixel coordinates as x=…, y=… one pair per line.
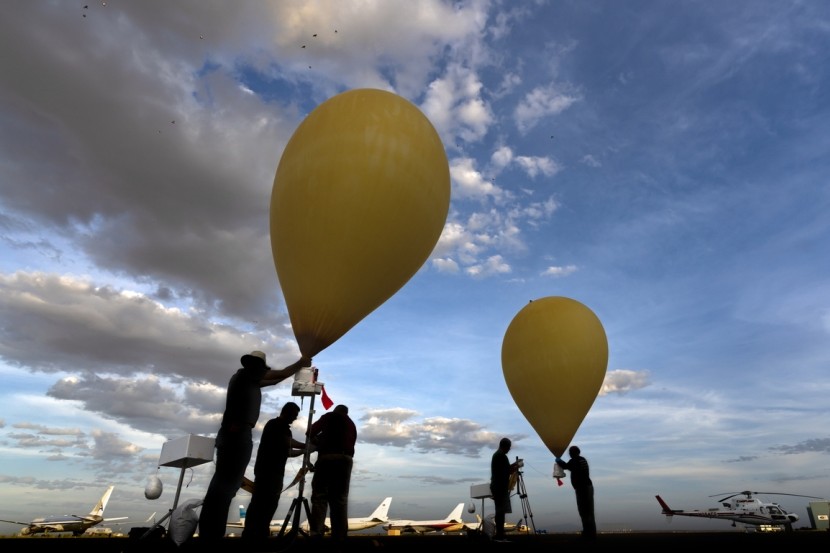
x=378, y=516
x=423, y=528
x=57, y=524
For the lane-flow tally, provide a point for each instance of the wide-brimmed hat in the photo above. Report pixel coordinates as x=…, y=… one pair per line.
x=254, y=359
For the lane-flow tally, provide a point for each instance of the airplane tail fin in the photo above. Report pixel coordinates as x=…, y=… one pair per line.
x=382, y=512
x=98, y=510
x=455, y=514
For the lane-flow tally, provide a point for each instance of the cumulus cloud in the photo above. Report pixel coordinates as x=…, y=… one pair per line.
x=815, y=445
x=493, y=265
x=403, y=428
x=454, y=105
x=445, y=265
x=590, y=161
x=384, y=44
x=501, y=158
x=622, y=381
x=542, y=102
x=535, y=165
x=469, y=183
x=743, y=459
x=555, y=271
x=145, y=402
x=97, y=446
x=70, y=323
x=479, y=245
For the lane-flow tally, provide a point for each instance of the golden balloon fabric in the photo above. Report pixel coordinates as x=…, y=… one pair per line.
x=360, y=198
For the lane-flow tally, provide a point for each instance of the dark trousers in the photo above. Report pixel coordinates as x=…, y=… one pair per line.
x=585, y=507
x=330, y=490
x=233, y=452
x=263, y=505
x=501, y=500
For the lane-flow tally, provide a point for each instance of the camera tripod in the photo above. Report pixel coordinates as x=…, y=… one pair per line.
x=521, y=491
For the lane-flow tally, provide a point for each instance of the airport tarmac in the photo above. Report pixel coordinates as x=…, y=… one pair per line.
x=800, y=540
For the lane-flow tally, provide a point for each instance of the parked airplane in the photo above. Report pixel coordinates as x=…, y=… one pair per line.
x=749, y=511
x=378, y=516
x=452, y=522
x=509, y=527
x=69, y=523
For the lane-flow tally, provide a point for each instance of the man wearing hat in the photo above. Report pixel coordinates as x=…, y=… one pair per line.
x=234, y=443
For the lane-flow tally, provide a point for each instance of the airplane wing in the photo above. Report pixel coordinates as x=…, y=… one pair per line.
x=118, y=521
x=456, y=527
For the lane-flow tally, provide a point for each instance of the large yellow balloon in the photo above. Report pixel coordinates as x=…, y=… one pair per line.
x=360, y=198
x=554, y=356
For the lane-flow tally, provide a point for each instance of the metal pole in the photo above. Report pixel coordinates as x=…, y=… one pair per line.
x=299, y=501
x=306, y=455
x=179, y=487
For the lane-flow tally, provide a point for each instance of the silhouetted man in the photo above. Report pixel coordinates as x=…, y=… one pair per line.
x=584, y=490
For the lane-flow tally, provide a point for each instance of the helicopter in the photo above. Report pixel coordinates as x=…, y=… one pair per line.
x=745, y=509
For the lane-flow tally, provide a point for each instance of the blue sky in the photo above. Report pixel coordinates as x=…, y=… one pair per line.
x=665, y=164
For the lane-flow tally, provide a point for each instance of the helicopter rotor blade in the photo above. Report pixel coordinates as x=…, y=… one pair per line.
x=792, y=494
x=749, y=495
x=732, y=494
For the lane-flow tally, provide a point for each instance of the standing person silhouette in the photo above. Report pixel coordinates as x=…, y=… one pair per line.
x=500, y=471
x=334, y=436
x=583, y=488
x=234, y=443
x=275, y=447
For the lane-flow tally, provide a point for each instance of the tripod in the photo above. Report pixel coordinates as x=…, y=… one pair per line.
x=299, y=502
x=521, y=491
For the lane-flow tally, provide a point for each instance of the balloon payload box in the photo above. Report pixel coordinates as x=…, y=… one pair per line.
x=187, y=451
x=305, y=382
x=481, y=491
x=558, y=472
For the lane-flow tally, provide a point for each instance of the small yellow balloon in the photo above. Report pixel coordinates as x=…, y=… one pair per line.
x=554, y=356
x=360, y=198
